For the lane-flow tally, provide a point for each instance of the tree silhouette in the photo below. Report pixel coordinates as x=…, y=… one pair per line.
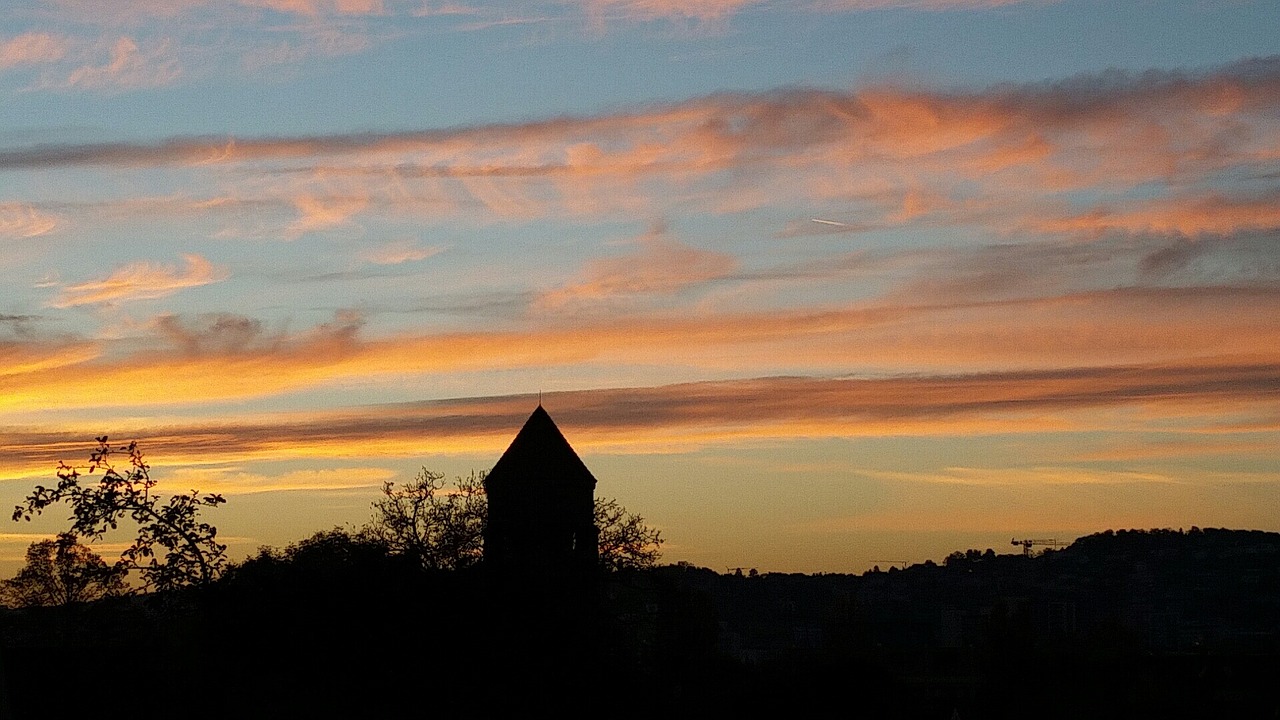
x=62, y=572
x=191, y=554
x=625, y=543
x=443, y=526
x=443, y=530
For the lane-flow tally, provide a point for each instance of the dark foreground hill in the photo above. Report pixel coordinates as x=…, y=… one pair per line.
x=1127, y=624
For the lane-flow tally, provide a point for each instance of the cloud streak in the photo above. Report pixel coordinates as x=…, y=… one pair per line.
x=1132, y=325
x=136, y=11
x=140, y=281
x=232, y=481
x=1006, y=157
x=398, y=252
x=645, y=419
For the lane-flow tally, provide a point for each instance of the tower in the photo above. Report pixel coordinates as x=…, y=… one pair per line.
x=541, y=505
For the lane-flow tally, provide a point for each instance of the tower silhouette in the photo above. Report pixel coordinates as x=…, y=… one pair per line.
x=541, y=505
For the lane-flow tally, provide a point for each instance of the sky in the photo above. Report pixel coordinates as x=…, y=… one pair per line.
x=811, y=285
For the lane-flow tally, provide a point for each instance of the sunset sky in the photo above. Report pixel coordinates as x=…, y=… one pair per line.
x=810, y=285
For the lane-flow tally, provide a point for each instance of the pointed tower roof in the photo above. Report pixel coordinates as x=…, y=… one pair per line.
x=539, y=453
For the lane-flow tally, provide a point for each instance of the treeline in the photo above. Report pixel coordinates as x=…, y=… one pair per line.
x=1125, y=624
x=1133, y=623
x=335, y=626
x=391, y=617
x=401, y=616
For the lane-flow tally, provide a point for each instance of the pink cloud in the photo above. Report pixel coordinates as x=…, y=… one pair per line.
x=317, y=8
x=1003, y=157
x=32, y=48
x=600, y=11
x=661, y=266
x=398, y=252
x=703, y=10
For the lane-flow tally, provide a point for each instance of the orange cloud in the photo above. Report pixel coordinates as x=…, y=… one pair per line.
x=1085, y=329
x=140, y=281
x=1190, y=216
x=17, y=358
x=690, y=415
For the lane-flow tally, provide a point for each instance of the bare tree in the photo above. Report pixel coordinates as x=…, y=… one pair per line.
x=626, y=543
x=173, y=547
x=441, y=526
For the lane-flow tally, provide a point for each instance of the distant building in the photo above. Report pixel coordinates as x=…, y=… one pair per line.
x=541, y=505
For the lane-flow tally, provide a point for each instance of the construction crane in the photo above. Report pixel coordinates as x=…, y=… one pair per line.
x=1029, y=543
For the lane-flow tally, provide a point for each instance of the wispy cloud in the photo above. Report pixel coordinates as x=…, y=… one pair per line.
x=36, y=356
x=128, y=66
x=704, y=10
x=32, y=48
x=1020, y=476
x=231, y=481
x=850, y=5
x=600, y=12
x=317, y=213
x=309, y=43
x=316, y=8
x=19, y=220
x=398, y=252
x=1186, y=446
x=9, y=537
x=429, y=9
x=140, y=281
x=1208, y=214
x=661, y=266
